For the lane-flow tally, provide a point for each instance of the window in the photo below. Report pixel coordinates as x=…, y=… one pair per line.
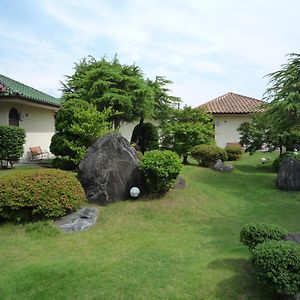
x=13, y=117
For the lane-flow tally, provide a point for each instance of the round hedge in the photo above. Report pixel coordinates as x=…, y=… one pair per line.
x=277, y=263
x=39, y=194
x=254, y=234
x=207, y=155
x=234, y=152
x=160, y=169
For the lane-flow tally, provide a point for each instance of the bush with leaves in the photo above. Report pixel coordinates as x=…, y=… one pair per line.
x=160, y=169
x=78, y=124
x=37, y=194
x=277, y=263
x=207, y=155
x=277, y=162
x=12, y=139
x=234, y=152
x=254, y=234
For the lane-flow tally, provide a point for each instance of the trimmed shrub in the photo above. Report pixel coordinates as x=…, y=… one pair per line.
x=160, y=169
x=277, y=263
x=253, y=234
x=12, y=139
x=234, y=152
x=277, y=162
x=39, y=194
x=63, y=163
x=207, y=155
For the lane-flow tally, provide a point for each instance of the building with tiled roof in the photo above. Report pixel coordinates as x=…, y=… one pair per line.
x=229, y=111
x=33, y=110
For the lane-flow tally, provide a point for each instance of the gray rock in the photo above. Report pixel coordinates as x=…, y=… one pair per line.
x=80, y=220
x=294, y=297
x=219, y=166
x=180, y=183
x=295, y=237
x=109, y=170
x=288, y=177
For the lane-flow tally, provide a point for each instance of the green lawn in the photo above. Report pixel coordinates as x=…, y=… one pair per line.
x=183, y=246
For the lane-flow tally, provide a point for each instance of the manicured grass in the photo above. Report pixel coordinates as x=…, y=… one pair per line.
x=182, y=246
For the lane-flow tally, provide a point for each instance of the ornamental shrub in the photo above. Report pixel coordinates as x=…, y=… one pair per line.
x=12, y=139
x=277, y=162
x=160, y=169
x=207, y=155
x=254, y=234
x=234, y=152
x=38, y=194
x=277, y=263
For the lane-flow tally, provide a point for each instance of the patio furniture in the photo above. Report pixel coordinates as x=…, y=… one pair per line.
x=38, y=154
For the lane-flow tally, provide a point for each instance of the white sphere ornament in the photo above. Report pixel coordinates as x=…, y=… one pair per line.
x=263, y=160
x=134, y=192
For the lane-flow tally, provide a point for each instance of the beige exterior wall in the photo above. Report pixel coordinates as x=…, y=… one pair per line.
x=226, y=128
x=38, y=122
x=126, y=129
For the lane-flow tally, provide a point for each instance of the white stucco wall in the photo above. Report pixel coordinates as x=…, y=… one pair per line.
x=226, y=128
x=126, y=129
x=38, y=122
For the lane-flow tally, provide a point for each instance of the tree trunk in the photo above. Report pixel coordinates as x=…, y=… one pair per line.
x=185, y=161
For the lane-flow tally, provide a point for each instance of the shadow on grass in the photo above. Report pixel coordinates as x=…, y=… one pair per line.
x=239, y=285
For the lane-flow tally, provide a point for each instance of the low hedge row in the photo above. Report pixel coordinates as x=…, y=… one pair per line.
x=38, y=194
x=276, y=262
x=253, y=234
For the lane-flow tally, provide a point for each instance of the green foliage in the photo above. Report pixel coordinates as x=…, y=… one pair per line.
x=63, y=163
x=145, y=136
x=254, y=234
x=277, y=263
x=186, y=128
x=207, y=155
x=139, y=155
x=283, y=111
x=277, y=162
x=123, y=88
x=160, y=169
x=234, y=152
x=78, y=124
x=36, y=194
x=12, y=139
x=258, y=133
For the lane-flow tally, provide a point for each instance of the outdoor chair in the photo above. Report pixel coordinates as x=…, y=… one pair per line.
x=38, y=154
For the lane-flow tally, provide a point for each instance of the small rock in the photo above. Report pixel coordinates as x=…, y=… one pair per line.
x=295, y=237
x=180, y=183
x=219, y=166
x=77, y=221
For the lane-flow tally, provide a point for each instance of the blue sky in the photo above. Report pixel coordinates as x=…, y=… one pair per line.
x=207, y=48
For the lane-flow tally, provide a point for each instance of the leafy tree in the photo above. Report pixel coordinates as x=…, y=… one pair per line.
x=258, y=133
x=123, y=88
x=283, y=111
x=77, y=125
x=186, y=128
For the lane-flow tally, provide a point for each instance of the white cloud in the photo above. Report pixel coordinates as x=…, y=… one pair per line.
x=205, y=47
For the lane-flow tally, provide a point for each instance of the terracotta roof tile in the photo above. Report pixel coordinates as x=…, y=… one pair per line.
x=232, y=103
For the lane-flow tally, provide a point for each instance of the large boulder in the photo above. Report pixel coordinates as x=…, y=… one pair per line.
x=109, y=170
x=288, y=177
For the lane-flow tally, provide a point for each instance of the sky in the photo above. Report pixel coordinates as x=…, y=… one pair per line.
x=207, y=48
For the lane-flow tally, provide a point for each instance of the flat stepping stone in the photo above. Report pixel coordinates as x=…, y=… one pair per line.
x=80, y=220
